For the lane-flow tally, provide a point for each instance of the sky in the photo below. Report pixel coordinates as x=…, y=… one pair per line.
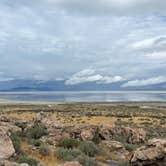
x=102, y=41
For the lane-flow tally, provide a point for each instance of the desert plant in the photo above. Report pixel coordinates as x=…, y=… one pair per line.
x=89, y=148
x=86, y=161
x=16, y=140
x=67, y=154
x=27, y=159
x=36, y=131
x=44, y=150
x=69, y=143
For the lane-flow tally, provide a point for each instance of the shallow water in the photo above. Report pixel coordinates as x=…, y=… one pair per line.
x=90, y=96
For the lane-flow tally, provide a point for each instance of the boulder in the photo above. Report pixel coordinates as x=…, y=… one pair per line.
x=153, y=154
x=9, y=163
x=87, y=135
x=131, y=135
x=6, y=126
x=115, y=149
x=71, y=163
x=6, y=145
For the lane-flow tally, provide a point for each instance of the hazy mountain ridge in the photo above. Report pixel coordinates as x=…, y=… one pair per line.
x=33, y=85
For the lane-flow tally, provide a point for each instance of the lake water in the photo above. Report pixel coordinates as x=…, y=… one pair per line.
x=91, y=96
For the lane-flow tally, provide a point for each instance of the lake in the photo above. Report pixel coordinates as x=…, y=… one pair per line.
x=89, y=96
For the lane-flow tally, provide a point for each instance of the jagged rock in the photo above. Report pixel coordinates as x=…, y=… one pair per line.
x=83, y=132
x=71, y=163
x=131, y=135
x=9, y=163
x=116, y=148
x=6, y=126
x=87, y=135
x=154, y=154
x=6, y=145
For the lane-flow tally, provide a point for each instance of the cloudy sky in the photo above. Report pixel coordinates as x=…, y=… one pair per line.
x=102, y=41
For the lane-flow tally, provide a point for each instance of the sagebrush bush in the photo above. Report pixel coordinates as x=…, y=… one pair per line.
x=89, y=148
x=44, y=150
x=36, y=131
x=16, y=140
x=28, y=160
x=69, y=143
x=67, y=154
x=86, y=161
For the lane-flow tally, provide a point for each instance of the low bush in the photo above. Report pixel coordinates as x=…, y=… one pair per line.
x=36, y=131
x=28, y=160
x=89, y=148
x=86, y=161
x=69, y=143
x=67, y=154
x=16, y=140
x=44, y=150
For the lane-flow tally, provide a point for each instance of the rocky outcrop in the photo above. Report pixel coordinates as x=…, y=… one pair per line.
x=154, y=154
x=131, y=135
x=7, y=127
x=116, y=148
x=6, y=145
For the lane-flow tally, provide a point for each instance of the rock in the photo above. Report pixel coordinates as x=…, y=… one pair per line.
x=9, y=163
x=131, y=135
x=112, y=145
x=83, y=132
x=116, y=148
x=87, y=135
x=71, y=163
x=41, y=164
x=39, y=116
x=137, y=136
x=6, y=126
x=152, y=154
x=6, y=145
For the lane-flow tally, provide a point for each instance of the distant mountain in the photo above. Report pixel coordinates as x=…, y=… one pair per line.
x=33, y=85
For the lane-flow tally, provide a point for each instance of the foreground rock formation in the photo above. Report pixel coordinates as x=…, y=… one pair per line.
x=153, y=154
x=111, y=138
x=6, y=146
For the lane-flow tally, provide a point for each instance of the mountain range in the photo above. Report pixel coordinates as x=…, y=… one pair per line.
x=59, y=85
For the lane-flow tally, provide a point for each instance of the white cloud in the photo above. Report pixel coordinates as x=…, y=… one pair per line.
x=88, y=75
x=158, y=42
x=145, y=82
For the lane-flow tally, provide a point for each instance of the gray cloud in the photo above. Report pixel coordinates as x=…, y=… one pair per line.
x=116, y=7
x=46, y=40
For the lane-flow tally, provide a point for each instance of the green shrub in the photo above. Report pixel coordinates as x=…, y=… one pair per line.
x=36, y=131
x=131, y=147
x=35, y=142
x=86, y=161
x=44, y=150
x=28, y=160
x=69, y=143
x=21, y=125
x=124, y=164
x=67, y=154
x=89, y=148
x=96, y=139
x=16, y=140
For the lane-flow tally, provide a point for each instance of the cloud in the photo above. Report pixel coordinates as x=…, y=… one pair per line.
x=46, y=40
x=116, y=7
x=145, y=82
x=157, y=55
x=88, y=75
x=154, y=43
